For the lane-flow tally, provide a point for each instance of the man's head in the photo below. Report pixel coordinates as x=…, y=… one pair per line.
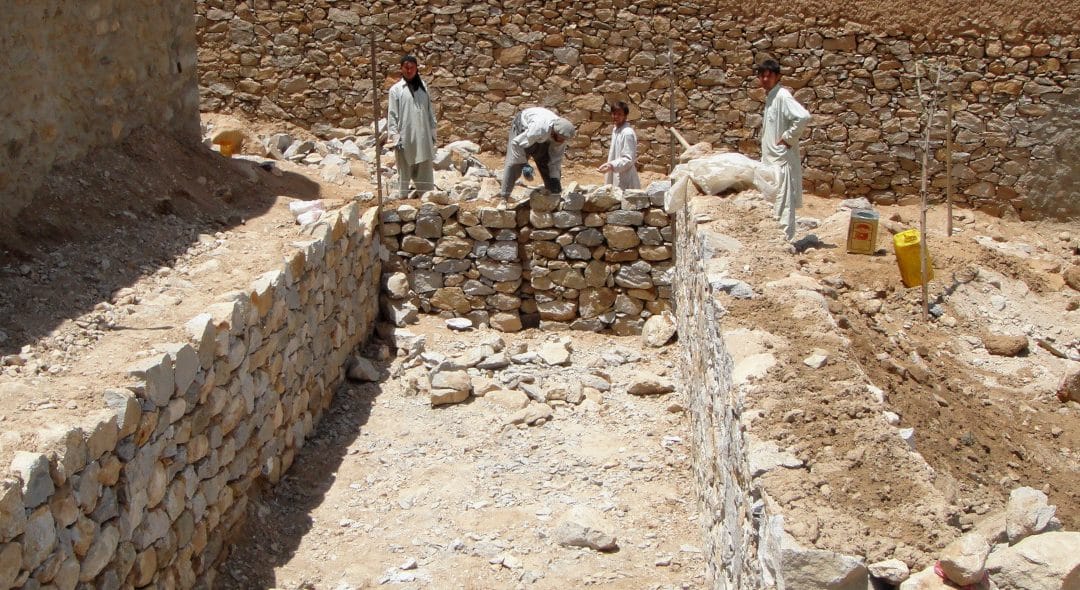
x=768, y=73
x=562, y=130
x=619, y=112
x=408, y=67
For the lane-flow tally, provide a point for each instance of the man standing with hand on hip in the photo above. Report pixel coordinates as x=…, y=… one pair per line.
x=410, y=124
x=782, y=125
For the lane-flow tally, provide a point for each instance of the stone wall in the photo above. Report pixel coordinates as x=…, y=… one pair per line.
x=721, y=465
x=79, y=74
x=147, y=494
x=596, y=259
x=1016, y=82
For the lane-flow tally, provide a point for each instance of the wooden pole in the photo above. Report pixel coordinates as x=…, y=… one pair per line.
x=378, y=143
x=928, y=110
x=671, y=100
x=678, y=137
x=948, y=158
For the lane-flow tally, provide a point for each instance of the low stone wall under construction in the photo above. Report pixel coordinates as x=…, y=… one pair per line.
x=595, y=259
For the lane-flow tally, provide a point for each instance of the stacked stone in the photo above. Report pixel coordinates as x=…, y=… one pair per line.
x=597, y=259
x=1015, y=92
x=146, y=493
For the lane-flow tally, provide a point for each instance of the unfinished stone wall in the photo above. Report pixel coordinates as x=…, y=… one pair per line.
x=146, y=493
x=1015, y=80
x=77, y=74
x=597, y=260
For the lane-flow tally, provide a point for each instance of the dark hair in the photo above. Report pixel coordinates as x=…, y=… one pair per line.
x=621, y=106
x=408, y=58
x=769, y=65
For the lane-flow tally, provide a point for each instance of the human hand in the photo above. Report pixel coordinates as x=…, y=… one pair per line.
x=604, y=167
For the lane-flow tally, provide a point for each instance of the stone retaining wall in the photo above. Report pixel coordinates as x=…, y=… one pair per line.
x=595, y=260
x=147, y=495
x=721, y=462
x=1016, y=90
x=76, y=74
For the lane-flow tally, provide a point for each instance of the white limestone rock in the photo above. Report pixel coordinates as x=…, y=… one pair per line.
x=583, y=526
x=1028, y=513
x=362, y=369
x=1050, y=561
x=643, y=384
x=509, y=399
x=658, y=330
x=556, y=353
x=892, y=571
x=964, y=560
x=533, y=415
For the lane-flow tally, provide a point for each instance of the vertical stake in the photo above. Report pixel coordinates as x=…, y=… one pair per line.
x=378, y=143
x=948, y=158
x=671, y=101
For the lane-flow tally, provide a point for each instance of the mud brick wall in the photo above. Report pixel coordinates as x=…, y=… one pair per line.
x=1015, y=76
x=146, y=493
x=596, y=260
x=76, y=74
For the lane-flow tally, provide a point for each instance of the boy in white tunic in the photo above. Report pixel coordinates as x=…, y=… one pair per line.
x=541, y=134
x=621, y=168
x=410, y=123
x=782, y=125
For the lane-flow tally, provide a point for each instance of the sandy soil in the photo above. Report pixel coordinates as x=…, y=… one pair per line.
x=127, y=245
x=394, y=491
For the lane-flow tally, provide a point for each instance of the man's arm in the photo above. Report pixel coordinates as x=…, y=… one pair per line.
x=393, y=118
x=798, y=117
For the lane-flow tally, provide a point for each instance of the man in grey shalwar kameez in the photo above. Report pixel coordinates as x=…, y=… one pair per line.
x=783, y=123
x=410, y=123
x=541, y=134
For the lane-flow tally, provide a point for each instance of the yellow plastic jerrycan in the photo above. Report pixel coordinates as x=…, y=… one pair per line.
x=906, y=245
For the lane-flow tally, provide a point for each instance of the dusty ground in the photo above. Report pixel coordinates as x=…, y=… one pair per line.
x=129, y=244
x=392, y=490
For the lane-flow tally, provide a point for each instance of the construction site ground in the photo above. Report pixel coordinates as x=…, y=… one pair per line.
x=124, y=246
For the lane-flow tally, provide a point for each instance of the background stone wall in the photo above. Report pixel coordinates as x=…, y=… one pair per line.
x=77, y=74
x=593, y=260
x=146, y=493
x=1015, y=76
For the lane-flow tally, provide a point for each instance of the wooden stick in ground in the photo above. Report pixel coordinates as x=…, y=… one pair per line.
x=923, y=258
x=948, y=159
x=378, y=144
x=671, y=100
x=679, y=138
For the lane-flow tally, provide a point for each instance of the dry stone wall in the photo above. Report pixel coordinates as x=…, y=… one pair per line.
x=1016, y=87
x=79, y=74
x=147, y=493
x=721, y=464
x=596, y=260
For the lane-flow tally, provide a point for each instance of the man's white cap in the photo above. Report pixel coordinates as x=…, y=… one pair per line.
x=564, y=128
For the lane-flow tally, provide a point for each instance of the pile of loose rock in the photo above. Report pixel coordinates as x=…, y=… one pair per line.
x=529, y=383
x=1022, y=549
x=338, y=153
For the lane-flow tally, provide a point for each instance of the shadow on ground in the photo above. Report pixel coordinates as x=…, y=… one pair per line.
x=98, y=224
x=278, y=518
